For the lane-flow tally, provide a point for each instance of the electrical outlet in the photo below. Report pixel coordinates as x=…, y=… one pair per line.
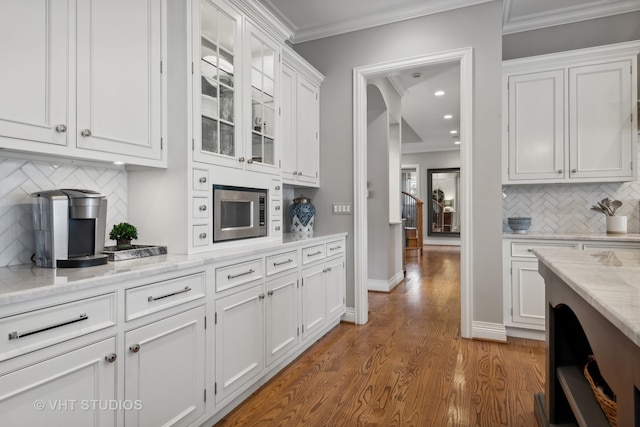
x=342, y=208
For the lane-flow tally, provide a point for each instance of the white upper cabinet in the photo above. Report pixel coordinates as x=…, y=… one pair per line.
x=119, y=77
x=570, y=116
x=34, y=77
x=83, y=79
x=300, y=121
x=216, y=90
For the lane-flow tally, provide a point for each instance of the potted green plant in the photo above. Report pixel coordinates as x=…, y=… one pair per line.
x=123, y=234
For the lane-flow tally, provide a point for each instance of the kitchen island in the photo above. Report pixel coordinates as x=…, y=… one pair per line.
x=592, y=308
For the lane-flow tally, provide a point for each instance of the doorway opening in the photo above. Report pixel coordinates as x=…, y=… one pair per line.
x=361, y=77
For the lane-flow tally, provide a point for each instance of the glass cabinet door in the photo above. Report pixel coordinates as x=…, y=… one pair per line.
x=264, y=65
x=218, y=107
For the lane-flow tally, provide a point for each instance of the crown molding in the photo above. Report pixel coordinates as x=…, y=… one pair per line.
x=565, y=15
x=387, y=16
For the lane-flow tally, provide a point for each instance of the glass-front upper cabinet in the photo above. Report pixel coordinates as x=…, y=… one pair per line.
x=264, y=69
x=216, y=127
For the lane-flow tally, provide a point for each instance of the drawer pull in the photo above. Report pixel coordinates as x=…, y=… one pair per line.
x=203, y=236
x=326, y=270
x=277, y=228
x=241, y=274
x=335, y=248
x=529, y=250
x=277, y=207
x=111, y=357
x=203, y=208
x=186, y=289
x=135, y=348
x=270, y=293
x=203, y=180
x=275, y=264
x=315, y=253
x=16, y=335
x=277, y=188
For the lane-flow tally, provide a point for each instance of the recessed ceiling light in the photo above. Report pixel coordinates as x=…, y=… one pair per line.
x=448, y=116
x=439, y=93
x=453, y=132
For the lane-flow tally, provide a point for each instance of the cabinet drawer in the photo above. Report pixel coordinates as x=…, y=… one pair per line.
x=143, y=300
x=237, y=274
x=335, y=248
x=610, y=246
x=313, y=253
x=276, y=209
x=200, y=180
x=37, y=329
x=525, y=250
x=275, y=189
x=281, y=262
x=200, y=207
x=276, y=228
x=200, y=235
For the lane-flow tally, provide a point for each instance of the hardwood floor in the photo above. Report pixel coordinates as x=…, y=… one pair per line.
x=407, y=366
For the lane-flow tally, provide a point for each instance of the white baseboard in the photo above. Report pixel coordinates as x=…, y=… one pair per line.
x=385, y=285
x=488, y=331
x=529, y=334
x=349, y=315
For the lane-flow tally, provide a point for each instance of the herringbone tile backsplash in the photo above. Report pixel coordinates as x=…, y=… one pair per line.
x=564, y=208
x=20, y=178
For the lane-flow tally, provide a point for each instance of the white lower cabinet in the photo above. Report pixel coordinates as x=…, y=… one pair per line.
x=313, y=300
x=239, y=340
x=335, y=287
x=164, y=370
x=62, y=390
x=281, y=310
x=527, y=293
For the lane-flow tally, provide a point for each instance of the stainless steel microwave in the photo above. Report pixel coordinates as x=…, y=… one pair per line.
x=238, y=213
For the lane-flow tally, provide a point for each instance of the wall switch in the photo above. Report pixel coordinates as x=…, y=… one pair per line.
x=342, y=208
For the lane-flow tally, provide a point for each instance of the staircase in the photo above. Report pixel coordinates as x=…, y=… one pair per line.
x=413, y=229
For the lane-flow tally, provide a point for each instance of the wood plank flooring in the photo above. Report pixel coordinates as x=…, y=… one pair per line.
x=407, y=366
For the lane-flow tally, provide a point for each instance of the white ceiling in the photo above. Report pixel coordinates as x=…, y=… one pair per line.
x=422, y=112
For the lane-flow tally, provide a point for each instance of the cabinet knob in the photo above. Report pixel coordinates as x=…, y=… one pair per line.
x=295, y=173
x=278, y=207
x=559, y=170
x=529, y=250
x=277, y=188
x=299, y=173
x=61, y=128
x=203, y=236
x=203, y=180
x=261, y=296
x=249, y=160
x=86, y=132
x=574, y=170
x=135, y=348
x=111, y=357
x=270, y=293
x=277, y=228
x=203, y=208
x=241, y=159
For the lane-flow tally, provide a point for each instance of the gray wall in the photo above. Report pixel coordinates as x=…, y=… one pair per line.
x=336, y=57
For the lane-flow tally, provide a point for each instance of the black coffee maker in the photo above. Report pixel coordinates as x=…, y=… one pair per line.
x=69, y=227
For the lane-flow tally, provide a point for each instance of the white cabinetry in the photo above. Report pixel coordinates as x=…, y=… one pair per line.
x=570, y=116
x=239, y=340
x=84, y=80
x=281, y=316
x=300, y=120
x=523, y=291
x=164, y=369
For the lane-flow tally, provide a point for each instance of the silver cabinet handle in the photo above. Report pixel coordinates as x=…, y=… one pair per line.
x=275, y=264
x=529, y=250
x=229, y=276
x=278, y=207
x=61, y=128
x=295, y=173
x=315, y=253
x=335, y=248
x=299, y=173
x=559, y=170
x=17, y=335
x=277, y=228
x=203, y=235
x=203, y=208
x=203, y=179
x=186, y=289
x=135, y=348
x=574, y=170
x=86, y=132
x=249, y=160
x=277, y=188
x=261, y=296
x=241, y=159
x=111, y=357
x=270, y=293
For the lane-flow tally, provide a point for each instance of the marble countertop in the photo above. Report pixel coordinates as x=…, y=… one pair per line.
x=26, y=282
x=609, y=280
x=628, y=237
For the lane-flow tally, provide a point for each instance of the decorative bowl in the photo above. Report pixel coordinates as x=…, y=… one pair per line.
x=519, y=224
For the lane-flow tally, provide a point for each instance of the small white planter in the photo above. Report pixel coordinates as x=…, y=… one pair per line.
x=616, y=224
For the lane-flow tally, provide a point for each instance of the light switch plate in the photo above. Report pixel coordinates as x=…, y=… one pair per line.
x=342, y=208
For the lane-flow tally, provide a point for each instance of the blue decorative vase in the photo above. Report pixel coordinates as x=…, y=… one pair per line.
x=302, y=215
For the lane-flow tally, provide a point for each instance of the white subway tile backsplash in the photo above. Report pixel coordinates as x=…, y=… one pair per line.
x=21, y=177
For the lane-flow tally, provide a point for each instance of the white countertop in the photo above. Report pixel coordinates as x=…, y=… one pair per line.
x=609, y=280
x=26, y=282
x=628, y=237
